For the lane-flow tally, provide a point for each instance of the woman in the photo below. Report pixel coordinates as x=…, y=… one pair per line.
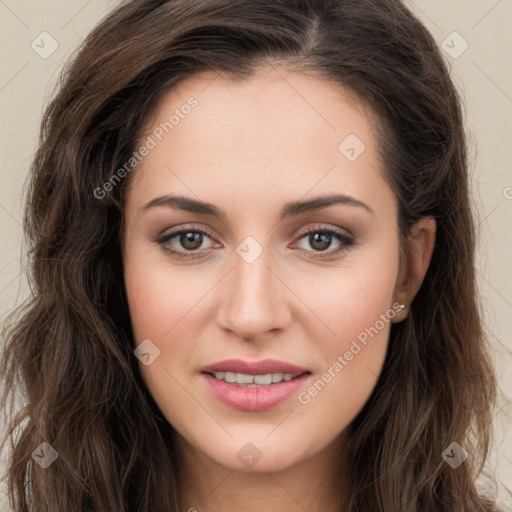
x=253, y=269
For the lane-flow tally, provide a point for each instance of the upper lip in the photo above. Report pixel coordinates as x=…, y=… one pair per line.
x=254, y=368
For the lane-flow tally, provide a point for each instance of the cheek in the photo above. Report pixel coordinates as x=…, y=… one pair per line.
x=354, y=297
x=145, y=298
x=158, y=297
x=357, y=307
x=163, y=302
x=159, y=302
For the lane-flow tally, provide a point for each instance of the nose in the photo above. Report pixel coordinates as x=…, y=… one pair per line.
x=254, y=300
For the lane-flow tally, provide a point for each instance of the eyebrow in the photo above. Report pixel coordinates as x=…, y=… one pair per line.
x=290, y=209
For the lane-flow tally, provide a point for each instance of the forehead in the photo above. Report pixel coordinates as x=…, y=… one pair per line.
x=276, y=131
x=273, y=98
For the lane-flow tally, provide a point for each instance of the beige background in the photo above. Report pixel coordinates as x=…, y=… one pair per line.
x=483, y=73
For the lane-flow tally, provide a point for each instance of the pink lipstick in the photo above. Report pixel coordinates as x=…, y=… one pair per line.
x=254, y=386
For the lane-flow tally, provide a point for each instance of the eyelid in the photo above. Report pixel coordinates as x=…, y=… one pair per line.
x=174, y=231
x=324, y=227
x=315, y=227
x=347, y=240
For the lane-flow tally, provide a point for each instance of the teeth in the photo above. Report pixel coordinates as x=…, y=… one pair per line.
x=245, y=379
x=242, y=378
x=263, y=379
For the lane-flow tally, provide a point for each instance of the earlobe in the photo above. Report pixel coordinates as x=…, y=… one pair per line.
x=414, y=263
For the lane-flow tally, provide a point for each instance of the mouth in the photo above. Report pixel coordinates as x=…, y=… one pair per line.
x=254, y=386
x=255, y=381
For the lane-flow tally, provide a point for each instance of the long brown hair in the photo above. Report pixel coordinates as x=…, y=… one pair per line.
x=69, y=348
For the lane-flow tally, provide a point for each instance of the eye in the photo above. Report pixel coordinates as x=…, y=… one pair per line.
x=320, y=238
x=188, y=242
x=190, y=239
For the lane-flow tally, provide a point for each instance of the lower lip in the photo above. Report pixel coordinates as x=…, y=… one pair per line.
x=257, y=398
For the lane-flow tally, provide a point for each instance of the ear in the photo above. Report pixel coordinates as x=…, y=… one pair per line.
x=414, y=261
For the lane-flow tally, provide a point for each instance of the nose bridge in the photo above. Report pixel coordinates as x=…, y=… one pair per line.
x=253, y=303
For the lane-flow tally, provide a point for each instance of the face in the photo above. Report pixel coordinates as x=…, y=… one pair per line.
x=283, y=281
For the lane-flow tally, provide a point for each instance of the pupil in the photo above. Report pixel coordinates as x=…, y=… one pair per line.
x=191, y=240
x=324, y=244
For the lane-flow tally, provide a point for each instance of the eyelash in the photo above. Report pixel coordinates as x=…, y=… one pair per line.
x=346, y=241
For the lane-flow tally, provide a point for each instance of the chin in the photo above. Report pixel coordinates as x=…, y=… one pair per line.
x=256, y=451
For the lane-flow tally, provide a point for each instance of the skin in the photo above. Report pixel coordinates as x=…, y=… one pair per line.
x=248, y=148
